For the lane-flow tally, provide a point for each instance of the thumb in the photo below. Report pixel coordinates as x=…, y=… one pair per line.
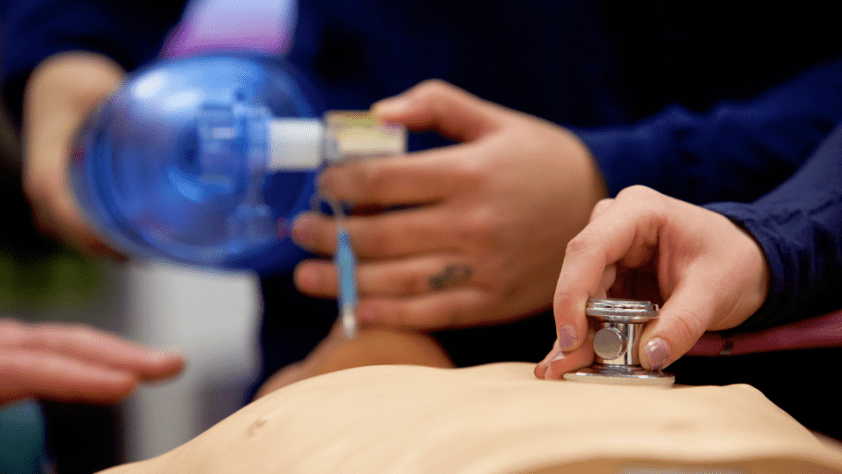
x=443, y=107
x=683, y=319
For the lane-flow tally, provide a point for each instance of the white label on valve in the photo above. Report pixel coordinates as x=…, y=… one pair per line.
x=295, y=144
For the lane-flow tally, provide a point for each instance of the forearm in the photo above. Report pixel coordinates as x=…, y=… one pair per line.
x=799, y=228
x=737, y=151
x=60, y=95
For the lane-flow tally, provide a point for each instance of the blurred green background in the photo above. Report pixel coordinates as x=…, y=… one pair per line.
x=37, y=274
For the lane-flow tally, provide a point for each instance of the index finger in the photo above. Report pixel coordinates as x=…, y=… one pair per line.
x=52, y=376
x=625, y=231
x=415, y=179
x=443, y=107
x=88, y=345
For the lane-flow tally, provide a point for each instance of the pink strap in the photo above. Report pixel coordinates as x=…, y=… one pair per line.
x=822, y=331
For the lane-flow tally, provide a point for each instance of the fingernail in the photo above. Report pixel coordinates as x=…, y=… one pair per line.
x=307, y=279
x=566, y=336
x=162, y=354
x=658, y=352
x=548, y=372
x=391, y=106
x=323, y=180
x=300, y=229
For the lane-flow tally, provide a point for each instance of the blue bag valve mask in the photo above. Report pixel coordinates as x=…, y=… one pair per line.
x=207, y=160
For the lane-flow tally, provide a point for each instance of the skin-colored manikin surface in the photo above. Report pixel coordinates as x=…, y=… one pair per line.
x=497, y=419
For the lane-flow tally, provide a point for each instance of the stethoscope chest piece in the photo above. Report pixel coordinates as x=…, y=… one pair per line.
x=619, y=324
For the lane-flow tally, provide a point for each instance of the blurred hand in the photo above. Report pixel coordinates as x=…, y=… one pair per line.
x=705, y=271
x=60, y=95
x=75, y=363
x=480, y=228
x=371, y=346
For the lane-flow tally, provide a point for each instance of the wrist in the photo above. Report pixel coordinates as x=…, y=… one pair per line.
x=754, y=283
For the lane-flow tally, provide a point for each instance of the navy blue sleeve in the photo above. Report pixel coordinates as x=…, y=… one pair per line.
x=799, y=228
x=129, y=31
x=737, y=151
